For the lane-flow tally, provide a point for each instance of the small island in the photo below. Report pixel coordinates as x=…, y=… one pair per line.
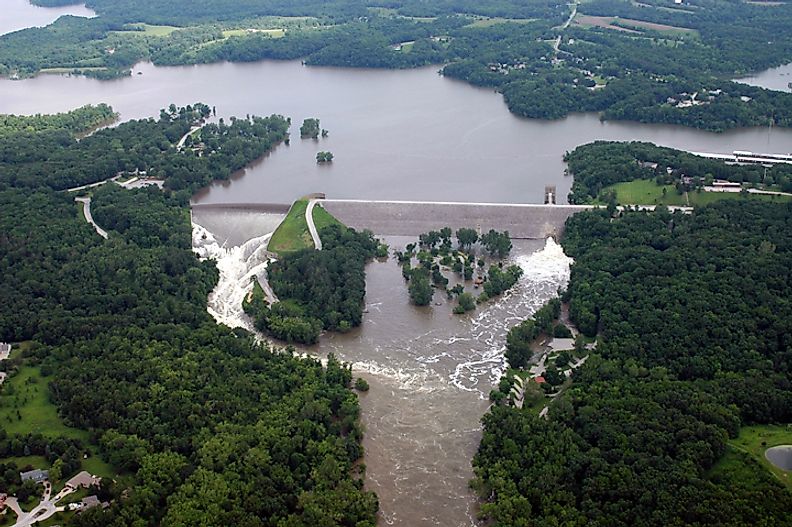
x=324, y=157
x=434, y=253
x=310, y=129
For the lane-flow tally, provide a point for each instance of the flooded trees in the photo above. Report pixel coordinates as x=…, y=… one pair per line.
x=310, y=129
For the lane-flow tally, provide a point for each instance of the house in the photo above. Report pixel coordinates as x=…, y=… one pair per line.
x=89, y=502
x=5, y=350
x=36, y=475
x=86, y=503
x=83, y=480
x=726, y=184
x=540, y=380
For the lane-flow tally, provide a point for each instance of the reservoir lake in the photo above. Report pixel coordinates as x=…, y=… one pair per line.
x=396, y=135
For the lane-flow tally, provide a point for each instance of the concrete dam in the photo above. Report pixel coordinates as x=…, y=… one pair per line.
x=411, y=218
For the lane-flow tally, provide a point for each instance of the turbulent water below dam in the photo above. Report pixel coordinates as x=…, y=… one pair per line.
x=430, y=371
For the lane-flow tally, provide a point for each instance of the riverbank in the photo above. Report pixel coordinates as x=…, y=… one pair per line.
x=387, y=158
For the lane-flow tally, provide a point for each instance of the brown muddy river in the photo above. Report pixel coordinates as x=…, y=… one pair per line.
x=396, y=135
x=430, y=371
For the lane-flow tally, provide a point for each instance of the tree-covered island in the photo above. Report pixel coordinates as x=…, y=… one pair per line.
x=651, y=61
x=435, y=254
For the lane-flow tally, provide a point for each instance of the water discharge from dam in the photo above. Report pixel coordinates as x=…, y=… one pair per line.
x=430, y=371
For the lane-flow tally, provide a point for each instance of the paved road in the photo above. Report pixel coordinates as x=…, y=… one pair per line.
x=194, y=129
x=311, y=225
x=571, y=16
x=89, y=217
x=44, y=510
x=92, y=185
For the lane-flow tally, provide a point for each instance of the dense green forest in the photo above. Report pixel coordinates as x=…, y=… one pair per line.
x=316, y=289
x=58, y=160
x=77, y=121
x=693, y=316
x=600, y=164
x=652, y=64
x=198, y=418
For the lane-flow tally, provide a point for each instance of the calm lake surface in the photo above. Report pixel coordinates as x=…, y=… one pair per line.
x=772, y=79
x=395, y=134
x=21, y=14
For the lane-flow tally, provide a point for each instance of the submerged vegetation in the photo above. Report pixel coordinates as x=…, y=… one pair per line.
x=435, y=253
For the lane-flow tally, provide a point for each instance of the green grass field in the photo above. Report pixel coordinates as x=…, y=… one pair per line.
x=26, y=395
x=647, y=192
x=754, y=440
x=292, y=234
x=24, y=461
x=323, y=219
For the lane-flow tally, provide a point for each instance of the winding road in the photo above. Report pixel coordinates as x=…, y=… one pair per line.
x=311, y=226
x=194, y=129
x=86, y=201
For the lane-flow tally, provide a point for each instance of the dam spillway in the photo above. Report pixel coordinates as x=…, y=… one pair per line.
x=411, y=218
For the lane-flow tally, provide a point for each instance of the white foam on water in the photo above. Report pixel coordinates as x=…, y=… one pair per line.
x=473, y=368
x=237, y=266
x=544, y=273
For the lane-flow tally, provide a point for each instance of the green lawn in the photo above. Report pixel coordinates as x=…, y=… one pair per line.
x=21, y=462
x=292, y=234
x=25, y=407
x=754, y=440
x=97, y=466
x=322, y=218
x=647, y=192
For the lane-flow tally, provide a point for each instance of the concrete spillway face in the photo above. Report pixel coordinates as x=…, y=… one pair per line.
x=780, y=456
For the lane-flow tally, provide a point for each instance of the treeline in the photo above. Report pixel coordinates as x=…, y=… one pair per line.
x=639, y=75
x=317, y=289
x=597, y=165
x=185, y=408
x=56, y=159
x=77, y=121
x=692, y=344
